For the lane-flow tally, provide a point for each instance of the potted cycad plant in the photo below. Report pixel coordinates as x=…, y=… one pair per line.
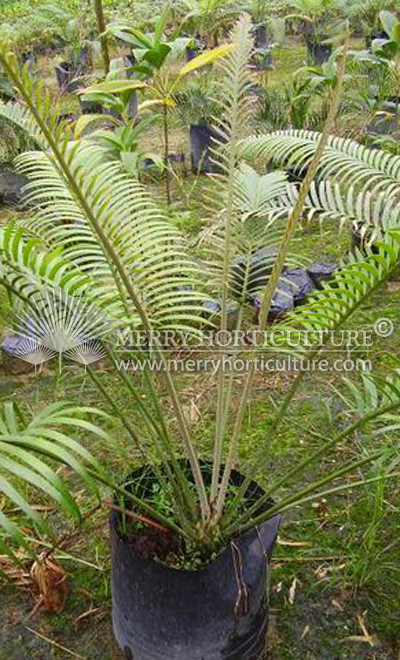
x=206, y=18
x=196, y=106
x=315, y=18
x=191, y=534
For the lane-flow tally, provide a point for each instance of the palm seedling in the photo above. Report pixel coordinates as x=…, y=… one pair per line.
x=152, y=53
x=207, y=17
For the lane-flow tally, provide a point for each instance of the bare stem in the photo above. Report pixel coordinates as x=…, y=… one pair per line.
x=101, y=25
x=292, y=224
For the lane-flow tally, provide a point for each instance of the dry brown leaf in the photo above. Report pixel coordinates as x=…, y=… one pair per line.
x=361, y=622
x=14, y=572
x=50, y=580
x=358, y=638
x=366, y=638
x=336, y=604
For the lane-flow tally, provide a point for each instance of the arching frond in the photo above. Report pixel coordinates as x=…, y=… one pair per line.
x=369, y=393
x=327, y=200
x=148, y=246
x=26, y=266
x=20, y=117
x=352, y=284
x=345, y=161
x=27, y=455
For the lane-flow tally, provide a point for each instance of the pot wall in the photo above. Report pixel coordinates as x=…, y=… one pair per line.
x=219, y=613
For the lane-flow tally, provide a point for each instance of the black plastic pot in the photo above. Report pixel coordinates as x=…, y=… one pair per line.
x=218, y=613
x=362, y=240
x=28, y=59
x=90, y=107
x=262, y=58
x=321, y=273
x=129, y=61
x=191, y=53
x=133, y=105
x=12, y=187
x=67, y=75
x=386, y=121
x=213, y=314
x=378, y=34
x=201, y=140
x=66, y=116
x=85, y=59
x=318, y=52
x=178, y=163
x=260, y=35
x=259, y=266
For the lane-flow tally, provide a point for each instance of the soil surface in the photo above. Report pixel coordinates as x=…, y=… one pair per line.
x=319, y=625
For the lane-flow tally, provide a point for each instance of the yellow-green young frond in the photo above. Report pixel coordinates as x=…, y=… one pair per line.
x=344, y=161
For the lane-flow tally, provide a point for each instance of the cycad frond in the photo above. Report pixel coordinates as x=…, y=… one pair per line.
x=149, y=247
x=255, y=193
x=25, y=450
x=344, y=161
x=328, y=201
x=258, y=200
x=370, y=393
x=353, y=283
x=20, y=117
x=50, y=109
x=26, y=267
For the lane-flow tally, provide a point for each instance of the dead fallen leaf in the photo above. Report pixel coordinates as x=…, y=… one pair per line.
x=336, y=604
x=366, y=638
x=50, y=580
